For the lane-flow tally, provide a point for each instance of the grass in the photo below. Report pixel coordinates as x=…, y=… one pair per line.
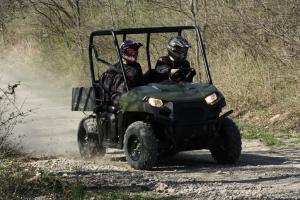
x=118, y=195
x=268, y=136
x=19, y=181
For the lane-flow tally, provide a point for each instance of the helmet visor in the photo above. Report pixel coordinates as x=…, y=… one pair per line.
x=181, y=50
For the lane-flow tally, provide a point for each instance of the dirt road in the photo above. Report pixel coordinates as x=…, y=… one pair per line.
x=262, y=173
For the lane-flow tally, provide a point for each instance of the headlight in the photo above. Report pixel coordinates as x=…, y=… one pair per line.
x=155, y=102
x=211, y=99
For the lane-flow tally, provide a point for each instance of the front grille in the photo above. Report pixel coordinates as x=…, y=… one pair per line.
x=191, y=111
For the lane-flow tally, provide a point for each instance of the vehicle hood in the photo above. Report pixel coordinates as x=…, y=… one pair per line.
x=173, y=92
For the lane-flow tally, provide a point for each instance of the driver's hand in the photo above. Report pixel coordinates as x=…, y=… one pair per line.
x=174, y=71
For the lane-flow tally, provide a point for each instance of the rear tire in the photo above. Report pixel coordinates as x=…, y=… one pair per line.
x=88, y=142
x=229, y=148
x=140, y=146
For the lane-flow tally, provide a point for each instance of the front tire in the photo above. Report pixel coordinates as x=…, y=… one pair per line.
x=87, y=138
x=140, y=146
x=228, y=150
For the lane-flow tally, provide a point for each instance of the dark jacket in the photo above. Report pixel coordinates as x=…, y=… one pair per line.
x=164, y=65
x=114, y=81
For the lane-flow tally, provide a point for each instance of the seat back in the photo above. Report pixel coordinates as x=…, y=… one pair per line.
x=152, y=76
x=83, y=99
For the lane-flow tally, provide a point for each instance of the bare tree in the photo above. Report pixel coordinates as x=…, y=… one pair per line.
x=10, y=114
x=59, y=17
x=8, y=12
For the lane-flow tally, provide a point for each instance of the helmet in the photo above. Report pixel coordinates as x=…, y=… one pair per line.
x=129, y=50
x=178, y=48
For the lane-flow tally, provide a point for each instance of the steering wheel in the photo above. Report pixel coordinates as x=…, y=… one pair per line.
x=183, y=74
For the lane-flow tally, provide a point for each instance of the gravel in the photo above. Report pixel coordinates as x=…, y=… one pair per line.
x=262, y=173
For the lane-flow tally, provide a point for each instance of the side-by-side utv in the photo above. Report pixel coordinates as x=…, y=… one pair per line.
x=157, y=119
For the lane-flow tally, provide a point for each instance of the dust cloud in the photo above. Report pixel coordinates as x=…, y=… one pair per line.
x=50, y=129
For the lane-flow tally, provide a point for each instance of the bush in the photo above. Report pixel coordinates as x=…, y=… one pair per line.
x=9, y=116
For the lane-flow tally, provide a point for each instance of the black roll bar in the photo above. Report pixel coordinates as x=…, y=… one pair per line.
x=148, y=51
x=202, y=50
x=120, y=58
x=148, y=31
x=179, y=32
x=91, y=46
x=124, y=37
x=169, y=29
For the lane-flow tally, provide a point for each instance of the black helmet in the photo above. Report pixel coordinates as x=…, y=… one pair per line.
x=178, y=48
x=129, y=50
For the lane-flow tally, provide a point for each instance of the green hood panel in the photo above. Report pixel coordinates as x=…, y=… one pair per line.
x=133, y=100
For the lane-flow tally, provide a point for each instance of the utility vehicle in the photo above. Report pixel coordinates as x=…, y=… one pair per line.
x=157, y=119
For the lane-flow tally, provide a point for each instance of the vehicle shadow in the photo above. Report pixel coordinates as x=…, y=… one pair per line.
x=238, y=181
x=202, y=160
x=193, y=161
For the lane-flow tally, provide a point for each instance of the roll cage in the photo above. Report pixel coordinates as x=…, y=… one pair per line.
x=147, y=31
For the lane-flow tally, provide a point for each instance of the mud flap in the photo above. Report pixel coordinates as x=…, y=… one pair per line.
x=83, y=99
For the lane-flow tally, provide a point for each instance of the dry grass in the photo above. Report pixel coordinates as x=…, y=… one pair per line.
x=258, y=90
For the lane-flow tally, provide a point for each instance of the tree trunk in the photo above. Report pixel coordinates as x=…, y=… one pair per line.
x=3, y=34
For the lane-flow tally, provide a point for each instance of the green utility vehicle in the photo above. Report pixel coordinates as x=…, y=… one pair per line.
x=157, y=119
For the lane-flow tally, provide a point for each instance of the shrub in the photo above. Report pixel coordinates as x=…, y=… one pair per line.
x=10, y=113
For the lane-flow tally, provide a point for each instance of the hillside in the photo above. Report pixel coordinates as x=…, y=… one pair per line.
x=253, y=46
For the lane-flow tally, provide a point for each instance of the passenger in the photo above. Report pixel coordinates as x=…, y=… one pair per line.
x=174, y=66
x=113, y=78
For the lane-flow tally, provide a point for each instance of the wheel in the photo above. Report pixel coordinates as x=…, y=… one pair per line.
x=87, y=139
x=229, y=148
x=140, y=146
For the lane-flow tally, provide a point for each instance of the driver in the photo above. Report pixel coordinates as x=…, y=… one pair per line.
x=170, y=66
x=113, y=78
